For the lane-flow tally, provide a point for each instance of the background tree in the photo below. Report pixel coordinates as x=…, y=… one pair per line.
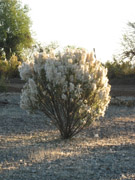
x=123, y=64
x=15, y=25
x=128, y=44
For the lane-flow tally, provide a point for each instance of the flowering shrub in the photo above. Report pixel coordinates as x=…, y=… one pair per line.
x=71, y=88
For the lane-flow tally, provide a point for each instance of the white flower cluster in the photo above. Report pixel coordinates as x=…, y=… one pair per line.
x=74, y=78
x=26, y=70
x=29, y=93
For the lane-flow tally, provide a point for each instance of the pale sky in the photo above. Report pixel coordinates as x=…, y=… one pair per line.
x=90, y=24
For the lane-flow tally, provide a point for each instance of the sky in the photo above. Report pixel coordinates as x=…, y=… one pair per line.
x=90, y=24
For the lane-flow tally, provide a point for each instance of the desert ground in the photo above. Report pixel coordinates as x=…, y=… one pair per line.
x=31, y=148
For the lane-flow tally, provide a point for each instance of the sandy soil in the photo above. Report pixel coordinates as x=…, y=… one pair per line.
x=32, y=150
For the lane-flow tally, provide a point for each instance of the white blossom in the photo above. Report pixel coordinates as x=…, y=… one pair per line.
x=63, y=97
x=74, y=76
x=70, y=61
x=71, y=87
x=33, y=87
x=26, y=70
x=94, y=86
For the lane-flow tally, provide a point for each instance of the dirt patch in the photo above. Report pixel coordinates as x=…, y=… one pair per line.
x=14, y=85
x=123, y=90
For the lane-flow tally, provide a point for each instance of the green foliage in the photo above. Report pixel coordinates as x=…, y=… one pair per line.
x=123, y=65
x=9, y=69
x=14, y=28
x=3, y=68
x=119, y=69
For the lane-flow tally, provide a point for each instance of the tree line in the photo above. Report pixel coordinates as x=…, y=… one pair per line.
x=16, y=36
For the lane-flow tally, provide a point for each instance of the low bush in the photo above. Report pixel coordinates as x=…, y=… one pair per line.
x=71, y=88
x=9, y=69
x=120, y=69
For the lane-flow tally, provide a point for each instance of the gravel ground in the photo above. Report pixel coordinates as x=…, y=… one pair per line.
x=31, y=150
